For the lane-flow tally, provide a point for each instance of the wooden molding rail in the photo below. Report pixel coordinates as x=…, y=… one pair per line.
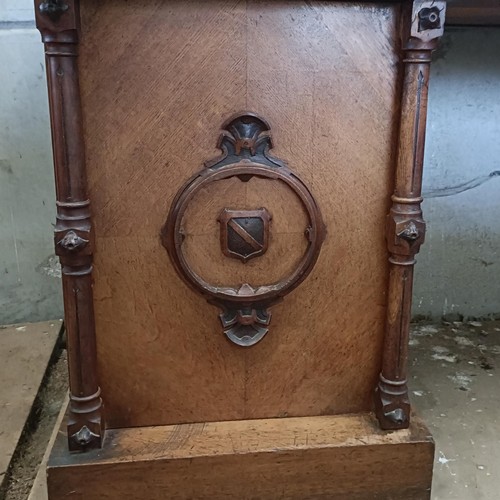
x=422, y=27
x=58, y=23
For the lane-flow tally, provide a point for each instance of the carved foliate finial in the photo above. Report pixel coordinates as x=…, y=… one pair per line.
x=410, y=232
x=245, y=137
x=72, y=241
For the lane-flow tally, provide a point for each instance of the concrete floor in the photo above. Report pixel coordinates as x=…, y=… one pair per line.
x=454, y=385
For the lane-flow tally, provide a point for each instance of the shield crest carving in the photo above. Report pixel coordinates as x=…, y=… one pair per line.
x=244, y=234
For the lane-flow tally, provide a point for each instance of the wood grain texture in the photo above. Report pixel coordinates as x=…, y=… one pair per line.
x=336, y=458
x=473, y=13
x=148, y=102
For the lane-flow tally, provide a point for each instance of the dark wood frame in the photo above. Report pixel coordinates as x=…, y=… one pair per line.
x=58, y=22
x=405, y=226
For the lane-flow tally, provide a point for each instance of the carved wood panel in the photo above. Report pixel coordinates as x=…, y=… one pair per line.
x=245, y=143
x=334, y=101
x=332, y=117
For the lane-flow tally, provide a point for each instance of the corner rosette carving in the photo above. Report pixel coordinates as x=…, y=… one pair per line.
x=428, y=19
x=53, y=8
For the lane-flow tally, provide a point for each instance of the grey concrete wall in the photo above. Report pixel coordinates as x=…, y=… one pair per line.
x=16, y=12
x=29, y=277
x=458, y=269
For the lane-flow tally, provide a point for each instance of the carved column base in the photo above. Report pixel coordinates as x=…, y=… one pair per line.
x=85, y=422
x=392, y=406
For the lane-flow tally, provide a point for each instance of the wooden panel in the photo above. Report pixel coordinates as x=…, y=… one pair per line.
x=335, y=458
x=158, y=79
x=473, y=12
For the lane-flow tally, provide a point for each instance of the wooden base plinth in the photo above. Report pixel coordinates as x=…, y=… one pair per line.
x=345, y=457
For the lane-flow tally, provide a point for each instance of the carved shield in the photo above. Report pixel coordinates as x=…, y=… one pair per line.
x=244, y=234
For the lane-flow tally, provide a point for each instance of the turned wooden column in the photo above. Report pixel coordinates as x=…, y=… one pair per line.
x=421, y=28
x=58, y=23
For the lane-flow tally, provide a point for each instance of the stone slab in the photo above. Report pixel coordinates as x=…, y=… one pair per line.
x=25, y=351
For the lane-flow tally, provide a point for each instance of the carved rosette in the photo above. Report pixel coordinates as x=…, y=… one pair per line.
x=245, y=142
x=58, y=21
x=422, y=26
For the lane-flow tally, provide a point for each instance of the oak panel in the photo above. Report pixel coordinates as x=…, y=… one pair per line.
x=158, y=80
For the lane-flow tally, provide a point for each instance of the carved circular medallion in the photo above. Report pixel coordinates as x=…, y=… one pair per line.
x=245, y=143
